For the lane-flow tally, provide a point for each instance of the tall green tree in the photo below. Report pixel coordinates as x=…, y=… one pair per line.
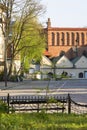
x=24, y=34
x=33, y=45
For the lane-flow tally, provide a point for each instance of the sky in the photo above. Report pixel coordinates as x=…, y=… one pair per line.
x=65, y=13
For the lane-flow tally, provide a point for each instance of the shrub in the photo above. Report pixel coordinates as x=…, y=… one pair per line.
x=3, y=107
x=15, y=78
x=1, y=75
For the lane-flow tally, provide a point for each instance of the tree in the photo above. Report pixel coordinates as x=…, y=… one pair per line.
x=19, y=17
x=33, y=45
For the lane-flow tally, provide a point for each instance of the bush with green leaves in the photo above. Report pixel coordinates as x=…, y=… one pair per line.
x=1, y=75
x=3, y=107
x=43, y=121
x=16, y=78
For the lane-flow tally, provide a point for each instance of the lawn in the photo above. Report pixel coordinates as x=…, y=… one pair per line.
x=42, y=121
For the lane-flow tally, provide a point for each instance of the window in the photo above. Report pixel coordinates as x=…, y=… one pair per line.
x=68, y=38
x=80, y=75
x=77, y=38
x=62, y=38
x=82, y=38
x=73, y=39
x=53, y=39
x=58, y=37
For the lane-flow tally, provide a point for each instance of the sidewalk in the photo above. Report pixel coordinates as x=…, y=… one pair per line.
x=9, y=85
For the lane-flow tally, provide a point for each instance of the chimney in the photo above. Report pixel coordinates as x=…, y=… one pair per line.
x=48, y=23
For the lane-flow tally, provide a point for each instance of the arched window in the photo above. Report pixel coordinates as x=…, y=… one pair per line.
x=77, y=38
x=58, y=37
x=82, y=37
x=73, y=39
x=68, y=38
x=62, y=40
x=80, y=75
x=53, y=39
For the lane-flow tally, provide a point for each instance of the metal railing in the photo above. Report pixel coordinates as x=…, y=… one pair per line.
x=38, y=103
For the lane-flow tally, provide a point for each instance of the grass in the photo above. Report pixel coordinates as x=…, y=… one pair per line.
x=42, y=121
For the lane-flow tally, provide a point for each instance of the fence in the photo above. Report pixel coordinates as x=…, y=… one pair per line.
x=34, y=103
x=74, y=107
x=39, y=103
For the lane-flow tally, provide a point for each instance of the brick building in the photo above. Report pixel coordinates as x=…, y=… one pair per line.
x=69, y=41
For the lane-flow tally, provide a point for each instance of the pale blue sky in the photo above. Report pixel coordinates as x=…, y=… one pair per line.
x=66, y=13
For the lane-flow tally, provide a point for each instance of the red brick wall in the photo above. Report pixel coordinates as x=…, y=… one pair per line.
x=68, y=49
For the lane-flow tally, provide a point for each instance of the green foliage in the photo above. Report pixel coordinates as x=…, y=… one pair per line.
x=43, y=121
x=1, y=75
x=3, y=107
x=52, y=100
x=26, y=35
x=32, y=44
x=16, y=78
x=13, y=78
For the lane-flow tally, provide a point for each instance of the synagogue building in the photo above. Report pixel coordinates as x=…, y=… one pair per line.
x=68, y=41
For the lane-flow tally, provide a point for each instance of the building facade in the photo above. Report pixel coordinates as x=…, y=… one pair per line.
x=70, y=41
x=77, y=68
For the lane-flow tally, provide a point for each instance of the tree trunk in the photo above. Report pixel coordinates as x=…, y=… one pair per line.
x=10, y=68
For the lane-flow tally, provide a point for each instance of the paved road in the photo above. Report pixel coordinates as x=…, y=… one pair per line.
x=76, y=88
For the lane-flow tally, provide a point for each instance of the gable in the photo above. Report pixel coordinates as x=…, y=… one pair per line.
x=64, y=62
x=81, y=63
x=45, y=61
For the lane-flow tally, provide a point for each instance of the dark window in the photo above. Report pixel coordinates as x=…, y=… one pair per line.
x=53, y=39
x=77, y=38
x=62, y=38
x=58, y=38
x=68, y=38
x=81, y=75
x=82, y=37
x=73, y=39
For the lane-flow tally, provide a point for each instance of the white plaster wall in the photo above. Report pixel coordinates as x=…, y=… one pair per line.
x=71, y=72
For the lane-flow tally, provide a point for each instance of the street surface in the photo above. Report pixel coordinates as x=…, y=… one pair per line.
x=76, y=88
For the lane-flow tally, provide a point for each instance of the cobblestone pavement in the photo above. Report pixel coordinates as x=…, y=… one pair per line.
x=9, y=85
x=76, y=88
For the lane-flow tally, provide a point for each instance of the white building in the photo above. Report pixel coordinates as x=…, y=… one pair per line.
x=77, y=68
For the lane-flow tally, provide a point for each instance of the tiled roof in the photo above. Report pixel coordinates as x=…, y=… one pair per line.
x=75, y=60
x=66, y=29
x=46, y=53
